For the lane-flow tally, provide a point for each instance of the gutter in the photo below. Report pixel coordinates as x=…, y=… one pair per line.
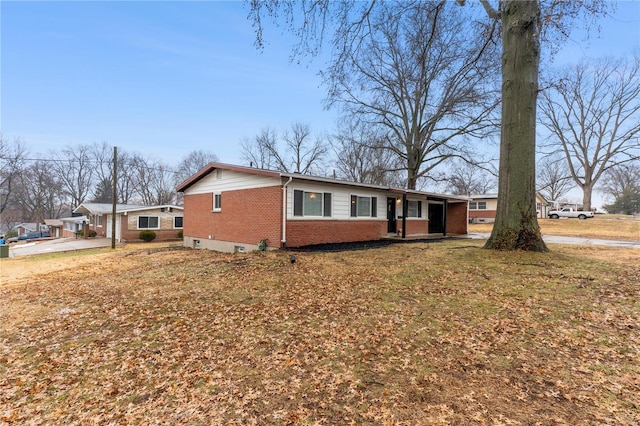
x=283, y=241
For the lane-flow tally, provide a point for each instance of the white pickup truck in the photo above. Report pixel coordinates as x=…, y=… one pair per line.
x=569, y=212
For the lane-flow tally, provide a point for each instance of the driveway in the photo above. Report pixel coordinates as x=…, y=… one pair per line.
x=57, y=245
x=556, y=239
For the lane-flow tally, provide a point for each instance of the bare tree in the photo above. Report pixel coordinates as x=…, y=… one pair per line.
x=553, y=180
x=154, y=180
x=191, y=164
x=361, y=157
x=467, y=178
x=41, y=193
x=258, y=152
x=418, y=77
x=12, y=162
x=620, y=180
x=592, y=112
x=301, y=153
x=74, y=167
x=103, y=189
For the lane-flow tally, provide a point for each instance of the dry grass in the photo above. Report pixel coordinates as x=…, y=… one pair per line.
x=607, y=227
x=438, y=333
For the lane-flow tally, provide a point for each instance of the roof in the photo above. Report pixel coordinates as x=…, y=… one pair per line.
x=53, y=222
x=74, y=219
x=277, y=174
x=107, y=208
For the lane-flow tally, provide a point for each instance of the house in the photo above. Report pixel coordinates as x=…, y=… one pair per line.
x=23, y=228
x=482, y=208
x=71, y=226
x=54, y=227
x=234, y=208
x=165, y=221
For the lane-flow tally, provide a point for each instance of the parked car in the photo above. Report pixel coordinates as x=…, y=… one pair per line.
x=569, y=212
x=33, y=236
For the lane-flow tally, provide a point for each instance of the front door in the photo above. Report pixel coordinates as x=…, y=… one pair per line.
x=436, y=218
x=391, y=215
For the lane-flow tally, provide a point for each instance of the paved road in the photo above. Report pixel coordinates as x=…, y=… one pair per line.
x=57, y=245
x=556, y=239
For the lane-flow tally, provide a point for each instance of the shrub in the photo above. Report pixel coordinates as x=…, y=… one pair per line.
x=92, y=233
x=147, y=235
x=180, y=234
x=80, y=232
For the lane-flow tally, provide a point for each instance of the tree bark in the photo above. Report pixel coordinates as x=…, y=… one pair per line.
x=516, y=226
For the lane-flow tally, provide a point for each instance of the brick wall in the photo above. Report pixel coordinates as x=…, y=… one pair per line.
x=485, y=214
x=307, y=232
x=247, y=216
x=414, y=226
x=457, y=218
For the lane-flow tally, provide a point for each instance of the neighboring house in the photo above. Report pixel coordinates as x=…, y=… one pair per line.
x=23, y=228
x=482, y=208
x=165, y=221
x=71, y=226
x=234, y=208
x=54, y=227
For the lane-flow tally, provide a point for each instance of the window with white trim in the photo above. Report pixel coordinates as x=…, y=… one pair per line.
x=177, y=221
x=414, y=208
x=148, y=222
x=364, y=206
x=100, y=220
x=217, y=202
x=307, y=203
x=480, y=205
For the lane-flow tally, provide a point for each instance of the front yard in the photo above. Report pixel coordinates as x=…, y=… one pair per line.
x=423, y=333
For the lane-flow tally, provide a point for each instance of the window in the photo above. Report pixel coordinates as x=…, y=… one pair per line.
x=414, y=208
x=148, y=222
x=217, y=202
x=364, y=206
x=177, y=221
x=311, y=203
x=480, y=205
x=100, y=220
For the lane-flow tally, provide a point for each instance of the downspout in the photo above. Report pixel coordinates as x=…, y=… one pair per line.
x=404, y=215
x=283, y=241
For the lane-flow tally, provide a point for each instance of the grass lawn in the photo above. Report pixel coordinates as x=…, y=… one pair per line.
x=607, y=227
x=420, y=333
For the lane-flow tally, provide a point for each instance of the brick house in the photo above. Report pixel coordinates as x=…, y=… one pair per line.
x=165, y=221
x=233, y=208
x=482, y=208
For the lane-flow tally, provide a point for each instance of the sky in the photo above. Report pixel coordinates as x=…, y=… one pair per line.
x=165, y=78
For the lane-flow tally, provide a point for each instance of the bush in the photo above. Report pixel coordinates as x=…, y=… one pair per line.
x=80, y=232
x=180, y=234
x=92, y=233
x=147, y=235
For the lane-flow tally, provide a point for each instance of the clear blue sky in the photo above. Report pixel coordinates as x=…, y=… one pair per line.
x=167, y=78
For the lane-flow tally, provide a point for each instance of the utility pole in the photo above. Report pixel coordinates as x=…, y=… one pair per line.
x=114, y=197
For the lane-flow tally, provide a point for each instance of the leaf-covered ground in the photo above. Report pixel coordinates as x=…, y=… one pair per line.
x=424, y=333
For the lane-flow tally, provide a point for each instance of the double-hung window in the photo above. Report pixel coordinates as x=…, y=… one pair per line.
x=306, y=203
x=217, y=202
x=364, y=206
x=177, y=221
x=414, y=208
x=148, y=222
x=480, y=205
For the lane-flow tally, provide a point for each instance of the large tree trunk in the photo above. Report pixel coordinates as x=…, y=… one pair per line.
x=587, y=190
x=516, y=226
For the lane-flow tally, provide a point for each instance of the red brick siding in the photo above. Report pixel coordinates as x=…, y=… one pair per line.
x=457, y=218
x=247, y=216
x=414, y=226
x=483, y=214
x=307, y=232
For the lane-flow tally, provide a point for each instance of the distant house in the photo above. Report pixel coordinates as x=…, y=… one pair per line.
x=71, y=226
x=482, y=208
x=23, y=228
x=166, y=220
x=234, y=208
x=54, y=227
